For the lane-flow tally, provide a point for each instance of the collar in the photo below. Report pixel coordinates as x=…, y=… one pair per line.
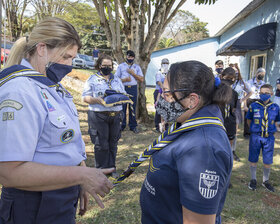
x=264, y=105
x=26, y=63
x=22, y=71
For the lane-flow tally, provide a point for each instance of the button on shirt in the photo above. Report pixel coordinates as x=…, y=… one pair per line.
x=256, y=115
x=160, y=78
x=38, y=123
x=255, y=87
x=122, y=73
x=96, y=86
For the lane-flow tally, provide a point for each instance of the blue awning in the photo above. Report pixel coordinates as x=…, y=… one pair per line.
x=258, y=38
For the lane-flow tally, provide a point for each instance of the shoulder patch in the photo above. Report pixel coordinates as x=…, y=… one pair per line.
x=208, y=185
x=11, y=103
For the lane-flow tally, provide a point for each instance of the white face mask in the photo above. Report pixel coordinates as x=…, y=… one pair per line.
x=164, y=68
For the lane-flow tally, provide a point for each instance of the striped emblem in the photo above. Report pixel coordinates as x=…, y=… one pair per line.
x=208, y=185
x=265, y=120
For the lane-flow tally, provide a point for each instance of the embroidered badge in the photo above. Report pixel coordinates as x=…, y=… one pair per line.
x=257, y=114
x=44, y=95
x=8, y=116
x=67, y=136
x=11, y=103
x=256, y=121
x=152, y=167
x=208, y=185
x=50, y=107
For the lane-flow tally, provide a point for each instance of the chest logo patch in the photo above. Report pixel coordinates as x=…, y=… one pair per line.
x=67, y=136
x=208, y=185
x=50, y=107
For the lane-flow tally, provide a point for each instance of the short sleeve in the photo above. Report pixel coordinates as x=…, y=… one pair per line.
x=87, y=89
x=250, y=113
x=118, y=72
x=139, y=71
x=21, y=124
x=120, y=85
x=202, y=178
x=158, y=77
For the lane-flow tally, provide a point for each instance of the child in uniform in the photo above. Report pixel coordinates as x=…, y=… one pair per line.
x=262, y=116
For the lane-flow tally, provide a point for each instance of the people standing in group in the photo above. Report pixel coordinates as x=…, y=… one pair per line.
x=229, y=110
x=160, y=76
x=188, y=176
x=262, y=116
x=244, y=92
x=255, y=85
x=42, y=152
x=219, y=67
x=130, y=74
x=95, y=54
x=104, y=122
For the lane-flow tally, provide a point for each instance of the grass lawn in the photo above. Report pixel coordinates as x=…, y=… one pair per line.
x=122, y=204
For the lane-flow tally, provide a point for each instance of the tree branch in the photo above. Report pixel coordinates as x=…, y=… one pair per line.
x=173, y=13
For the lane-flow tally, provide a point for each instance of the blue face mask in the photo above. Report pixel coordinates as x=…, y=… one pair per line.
x=265, y=97
x=130, y=61
x=56, y=72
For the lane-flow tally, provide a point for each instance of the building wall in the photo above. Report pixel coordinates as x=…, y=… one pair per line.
x=204, y=51
x=268, y=12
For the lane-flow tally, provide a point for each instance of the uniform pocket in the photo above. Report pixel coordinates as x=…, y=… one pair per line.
x=6, y=206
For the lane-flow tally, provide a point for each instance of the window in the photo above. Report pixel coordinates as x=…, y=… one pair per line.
x=257, y=61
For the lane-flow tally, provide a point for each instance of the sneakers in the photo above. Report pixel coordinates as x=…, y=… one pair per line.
x=252, y=185
x=268, y=186
x=235, y=157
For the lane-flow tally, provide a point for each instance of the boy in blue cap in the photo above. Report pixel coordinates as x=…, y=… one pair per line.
x=262, y=116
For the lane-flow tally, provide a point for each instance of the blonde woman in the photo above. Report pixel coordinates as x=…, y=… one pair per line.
x=42, y=153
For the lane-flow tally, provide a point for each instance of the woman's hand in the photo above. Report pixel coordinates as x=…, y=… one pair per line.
x=83, y=197
x=96, y=183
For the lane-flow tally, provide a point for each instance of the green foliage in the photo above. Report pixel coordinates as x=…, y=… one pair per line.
x=185, y=27
x=165, y=43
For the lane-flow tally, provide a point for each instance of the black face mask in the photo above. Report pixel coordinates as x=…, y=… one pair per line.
x=260, y=77
x=106, y=70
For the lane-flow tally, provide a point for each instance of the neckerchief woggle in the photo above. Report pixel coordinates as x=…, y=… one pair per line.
x=166, y=138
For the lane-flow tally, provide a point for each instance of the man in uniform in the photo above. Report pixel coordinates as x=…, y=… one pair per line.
x=130, y=73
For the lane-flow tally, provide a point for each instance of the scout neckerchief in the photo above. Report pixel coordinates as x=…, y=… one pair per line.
x=227, y=110
x=168, y=137
x=22, y=71
x=265, y=119
x=109, y=81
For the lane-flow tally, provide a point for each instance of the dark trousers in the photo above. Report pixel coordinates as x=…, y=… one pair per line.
x=131, y=90
x=105, y=132
x=157, y=116
x=246, y=126
x=33, y=207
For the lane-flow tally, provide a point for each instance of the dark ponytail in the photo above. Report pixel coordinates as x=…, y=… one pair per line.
x=222, y=94
x=196, y=77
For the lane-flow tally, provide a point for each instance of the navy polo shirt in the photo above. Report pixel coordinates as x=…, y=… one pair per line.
x=193, y=171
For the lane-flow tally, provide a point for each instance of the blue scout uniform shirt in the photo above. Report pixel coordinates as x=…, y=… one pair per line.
x=96, y=86
x=159, y=78
x=122, y=73
x=38, y=120
x=256, y=115
x=193, y=171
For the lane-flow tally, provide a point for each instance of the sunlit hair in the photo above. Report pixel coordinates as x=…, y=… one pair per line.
x=267, y=86
x=52, y=31
x=260, y=70
x=100, y=60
